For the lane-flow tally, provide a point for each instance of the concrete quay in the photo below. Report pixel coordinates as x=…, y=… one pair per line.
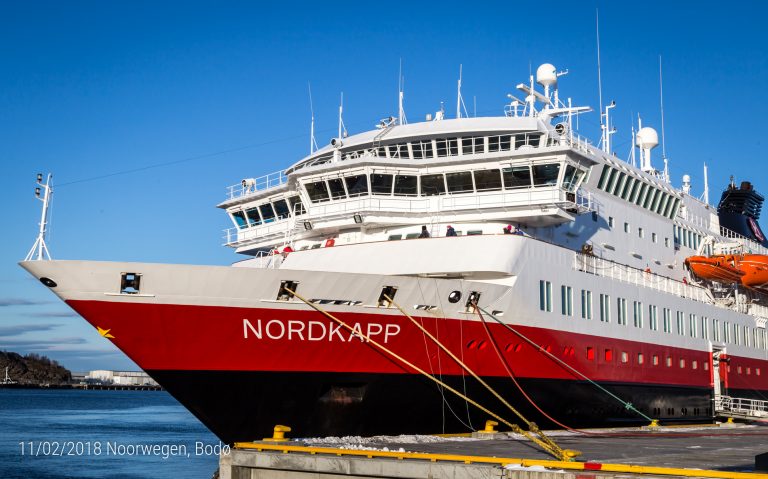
x=723, y=452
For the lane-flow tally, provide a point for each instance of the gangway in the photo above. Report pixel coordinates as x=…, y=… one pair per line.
x=740, y=408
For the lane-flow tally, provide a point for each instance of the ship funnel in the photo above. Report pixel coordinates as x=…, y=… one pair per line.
x=687, y=184
x=646, y=139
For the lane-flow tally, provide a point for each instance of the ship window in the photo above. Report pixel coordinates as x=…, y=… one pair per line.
x=605, y=308
x=653, y=320
x=459, y=182
x=545, y=174
x=610, y=221
x=680, y=323
x=493, y=143
x=487, y=180
x=566, y=303
x=586, y=304
x=432, y=185
x=637, y=310
x=406, y=185
x=621, y=317
x=267, y=212
x=641, y=195
x=399, y=151
x=130, y=283
x=590, y=353
x=618, y=185
x=628, y=188
x=422, y=149
x=505, y=142
x=636, y=187
x=517, y=177
x=626, y=227
x=692, y=325
x=253, y=217
x=655, y=359
x=472, y=232
x=281, y=208
x=666, y=318
x=412, y=235
x=381, y=184
x=472, y=300
x=603, y=177
x=394, y=237
x=569, y=178
x=654, y=237
x=608, y=355
x=336, y=185
x=296, y=206
x=357, y=185
x=650, y=198
x=447, y=147
x=239, y=218
x=624, y=357
x=640, y=358
x=317, y=191
x=669, y=361
x=545, y=296
x=640, y=232
x=611, y=182
x=473, y=145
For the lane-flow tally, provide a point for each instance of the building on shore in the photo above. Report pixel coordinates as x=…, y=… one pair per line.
x=122, y=378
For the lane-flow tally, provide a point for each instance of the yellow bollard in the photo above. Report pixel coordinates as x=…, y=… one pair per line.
x=490, y=427
x=729, y=421
x=654, y=423
x=278, y=434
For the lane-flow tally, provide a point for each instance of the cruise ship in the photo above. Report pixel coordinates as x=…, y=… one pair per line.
x=387, y=271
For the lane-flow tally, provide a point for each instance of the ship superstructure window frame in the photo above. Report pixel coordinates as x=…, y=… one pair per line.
x=545, y=296
x=473, y=145
x=488, y=180
x=631, y=187
x=382, y=183
x=605, y=308
x=357, y=185
x=406, y=185
x=336, y=188
x=680, y=320
x=621, y=317
x=432, y=184
x=238, y=217
x=445, y=147
x=317, y=191
x=653, y=317
x=637, y=314
x=586, y=304
x=459, y=182
x=566, y=299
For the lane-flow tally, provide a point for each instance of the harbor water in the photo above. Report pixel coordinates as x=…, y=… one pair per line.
x=52, y=433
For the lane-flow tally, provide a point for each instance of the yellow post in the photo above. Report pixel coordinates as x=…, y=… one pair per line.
x=654, y=423
x=278, y=434
x=490, y=427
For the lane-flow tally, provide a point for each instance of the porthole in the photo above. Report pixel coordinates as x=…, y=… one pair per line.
x=454, y=297
x=48, y=282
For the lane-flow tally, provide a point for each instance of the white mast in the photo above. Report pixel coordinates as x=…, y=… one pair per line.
x=342, y=128
x=39, y=250
x=663, y=143
x=458, y=95
x=599, y=79
x=312, y=142
x=400, y=87
x=706, y=185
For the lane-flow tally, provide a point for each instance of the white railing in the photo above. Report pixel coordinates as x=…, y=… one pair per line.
x=741, y=406
x=627, y=274
x=250, y=186
x=750, y=246
x=533, y=197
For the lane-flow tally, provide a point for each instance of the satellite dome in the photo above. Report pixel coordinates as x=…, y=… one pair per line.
x=686, y=178
x=546, y=75
x=647, y=138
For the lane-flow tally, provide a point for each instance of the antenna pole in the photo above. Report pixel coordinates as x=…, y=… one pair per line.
x=400, y=87
x=458, y=95
x=312, y=142
x=661, y=100
x=39, y=250
x=603, y=128
x=706, y=185
x=341, y=110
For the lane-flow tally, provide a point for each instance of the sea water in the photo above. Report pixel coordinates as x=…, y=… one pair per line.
x=50, y=433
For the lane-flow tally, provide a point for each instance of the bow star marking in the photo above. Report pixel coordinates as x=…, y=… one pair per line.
x=105, y=332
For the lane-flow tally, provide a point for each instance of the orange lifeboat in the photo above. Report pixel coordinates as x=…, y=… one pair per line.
x=720, y=268
x=755, y=268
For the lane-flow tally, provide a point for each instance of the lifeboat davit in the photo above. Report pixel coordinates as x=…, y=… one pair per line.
x=720, y=268
x=755, y=268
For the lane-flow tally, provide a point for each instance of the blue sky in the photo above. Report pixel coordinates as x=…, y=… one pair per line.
x=197, y=95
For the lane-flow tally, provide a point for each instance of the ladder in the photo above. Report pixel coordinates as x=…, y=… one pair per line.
x=740, y=408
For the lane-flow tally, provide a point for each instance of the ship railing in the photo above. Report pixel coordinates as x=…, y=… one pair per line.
x=627, y=274
x=250, y=186
x=750, y=245
x=741, y=406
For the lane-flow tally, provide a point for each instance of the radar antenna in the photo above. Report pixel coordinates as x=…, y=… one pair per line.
x=39, y=250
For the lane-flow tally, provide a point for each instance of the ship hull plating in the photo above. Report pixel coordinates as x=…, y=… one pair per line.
x=244, y=406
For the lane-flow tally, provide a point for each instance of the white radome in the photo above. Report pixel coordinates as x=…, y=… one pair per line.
x=647, y=138
x=546, y=75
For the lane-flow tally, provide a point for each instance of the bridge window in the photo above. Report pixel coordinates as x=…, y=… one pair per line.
x=572, y=177
x=399, y=151
x=487, y=180
x=473, y=145
x=527, y=139
x=296, y=205
x=432, y=185
x=447, y=147
x=281, y=208
x=267, y=212
x=253, y=217
x=422, y=149
x=516, y=177
x=381, y=184
x=499, y=143
x=357, y=185
x=544, y=175
x=317, y=191
x=239, y=218
x=406, y=185
x=336, y=186
x=459, y=182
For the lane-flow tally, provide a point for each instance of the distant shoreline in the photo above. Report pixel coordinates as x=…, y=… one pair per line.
x=93, y=387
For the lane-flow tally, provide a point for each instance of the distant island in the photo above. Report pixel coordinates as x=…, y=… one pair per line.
x=32, y=369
